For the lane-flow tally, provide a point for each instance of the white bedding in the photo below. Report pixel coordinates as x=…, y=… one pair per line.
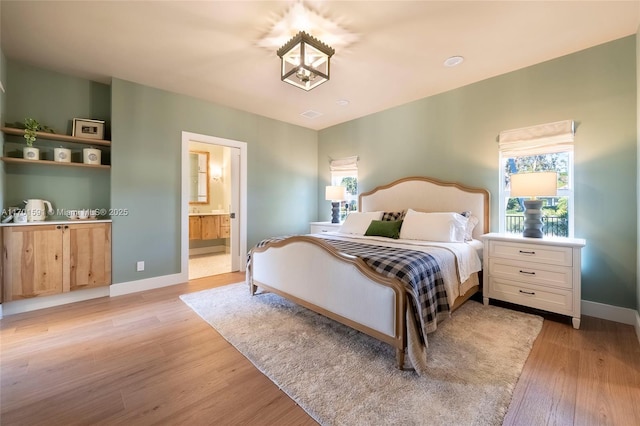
x=458, y=261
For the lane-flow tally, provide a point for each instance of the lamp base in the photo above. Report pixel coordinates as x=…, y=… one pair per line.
x=533, y=219
x=335, y=212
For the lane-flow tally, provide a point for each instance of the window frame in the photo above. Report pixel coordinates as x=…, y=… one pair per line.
x=568, y=191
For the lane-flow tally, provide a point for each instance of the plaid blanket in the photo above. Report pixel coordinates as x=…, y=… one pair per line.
x=419, y=272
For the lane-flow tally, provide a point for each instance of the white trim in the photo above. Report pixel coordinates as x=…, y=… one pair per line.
x=147, y=284
x=186, y=137
x=35, y=303
x=637, y=325
x=1, y=88
x=0, y=310
x=609, y=312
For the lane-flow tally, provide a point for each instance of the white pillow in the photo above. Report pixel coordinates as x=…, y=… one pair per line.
x=441, y=226
x=471, y=224
x=358, y=222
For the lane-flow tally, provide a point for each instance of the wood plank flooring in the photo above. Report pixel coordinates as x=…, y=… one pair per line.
x=146, y=358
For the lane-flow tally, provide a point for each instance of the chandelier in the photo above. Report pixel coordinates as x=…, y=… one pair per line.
x=305, y=61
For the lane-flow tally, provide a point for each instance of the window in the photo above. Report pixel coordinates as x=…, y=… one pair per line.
x=344, y=172
x=548, y=147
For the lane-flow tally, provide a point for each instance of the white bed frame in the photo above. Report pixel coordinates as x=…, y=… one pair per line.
x=310, y=272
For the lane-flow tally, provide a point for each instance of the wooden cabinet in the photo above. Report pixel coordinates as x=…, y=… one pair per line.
x=224, y=227
x=540, y=273
x=41, y=260
x=195, y=227
x=32, y=261
x=209, y=227
x=89, y=246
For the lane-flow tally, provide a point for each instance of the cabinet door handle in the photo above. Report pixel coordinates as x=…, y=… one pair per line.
x=527, y=252
x=58, y=227
x=66, y=227
x=531, y=293
x=527, y=272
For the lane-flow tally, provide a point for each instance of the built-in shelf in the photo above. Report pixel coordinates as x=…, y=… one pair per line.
x=56, y=137
x=14, y=160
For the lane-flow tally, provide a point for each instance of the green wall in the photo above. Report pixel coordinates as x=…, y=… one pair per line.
x=54, y=100
x=146, y=174
x=145, y=156
x=452, y=136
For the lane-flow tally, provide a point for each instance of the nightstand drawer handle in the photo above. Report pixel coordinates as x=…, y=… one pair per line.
x=527, y=252
x=531, y=293
x=527, y=272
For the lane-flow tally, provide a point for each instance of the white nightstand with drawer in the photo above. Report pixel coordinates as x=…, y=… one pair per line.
x=542, y=273
x=320, y=227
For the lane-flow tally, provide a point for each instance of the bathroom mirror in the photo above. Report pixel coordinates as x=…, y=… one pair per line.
x=198, y=177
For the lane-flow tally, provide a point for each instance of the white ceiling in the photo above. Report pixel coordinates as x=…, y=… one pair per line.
x=394, y=54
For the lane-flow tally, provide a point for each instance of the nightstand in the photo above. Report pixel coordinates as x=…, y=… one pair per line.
x=542, y=273
x=320, y=227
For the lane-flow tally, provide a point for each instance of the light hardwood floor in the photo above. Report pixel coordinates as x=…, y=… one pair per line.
x=147, y=358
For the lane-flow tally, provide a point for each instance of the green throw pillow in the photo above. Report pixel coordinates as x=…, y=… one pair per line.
x=384, y=228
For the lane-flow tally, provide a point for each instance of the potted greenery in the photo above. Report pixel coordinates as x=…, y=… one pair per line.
x=31, y=126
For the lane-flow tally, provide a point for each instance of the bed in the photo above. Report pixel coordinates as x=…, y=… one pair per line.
x=333, y=273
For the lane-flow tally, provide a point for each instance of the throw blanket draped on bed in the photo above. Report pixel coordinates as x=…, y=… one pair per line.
x=419, y=272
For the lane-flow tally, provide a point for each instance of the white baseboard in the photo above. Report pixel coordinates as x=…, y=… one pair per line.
x=609, y=312
x=637, y=325
x=27, y=305
x=35, y=303
x=147, y=284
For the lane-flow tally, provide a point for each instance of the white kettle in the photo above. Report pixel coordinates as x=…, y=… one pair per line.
x=35, y=210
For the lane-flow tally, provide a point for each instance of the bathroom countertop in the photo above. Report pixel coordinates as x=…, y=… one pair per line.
x=207, y=214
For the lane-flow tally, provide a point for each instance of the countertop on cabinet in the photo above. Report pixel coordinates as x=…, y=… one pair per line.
x=57, y=222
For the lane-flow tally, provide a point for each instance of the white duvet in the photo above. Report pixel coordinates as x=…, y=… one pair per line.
x=457, y=260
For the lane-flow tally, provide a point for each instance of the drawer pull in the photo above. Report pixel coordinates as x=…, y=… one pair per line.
x=531, y=293
x=527, y=252
x=527, y=273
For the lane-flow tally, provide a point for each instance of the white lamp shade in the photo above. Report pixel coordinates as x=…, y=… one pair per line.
x=335, y=193
x=542, y=184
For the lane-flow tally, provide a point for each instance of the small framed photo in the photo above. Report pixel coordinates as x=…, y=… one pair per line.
x=87, y=128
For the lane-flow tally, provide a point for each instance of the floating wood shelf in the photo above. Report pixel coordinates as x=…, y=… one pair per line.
x=14, y=160
x=57, y=137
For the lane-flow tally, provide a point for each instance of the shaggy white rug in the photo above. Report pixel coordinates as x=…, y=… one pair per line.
x=342, y=377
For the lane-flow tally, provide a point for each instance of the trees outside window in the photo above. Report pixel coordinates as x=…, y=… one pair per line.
x=557, y=211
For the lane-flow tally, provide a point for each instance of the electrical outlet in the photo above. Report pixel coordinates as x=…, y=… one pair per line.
x=140, y=266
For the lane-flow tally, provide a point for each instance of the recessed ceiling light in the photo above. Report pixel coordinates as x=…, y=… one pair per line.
x=342, y=102
x=453, y=61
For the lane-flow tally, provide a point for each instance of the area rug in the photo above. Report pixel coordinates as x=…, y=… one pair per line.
x=342, y=377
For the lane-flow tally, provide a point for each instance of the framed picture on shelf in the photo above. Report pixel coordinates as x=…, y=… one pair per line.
x=87, y=128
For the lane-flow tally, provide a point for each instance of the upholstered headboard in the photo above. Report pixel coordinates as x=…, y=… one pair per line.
x=429, y=195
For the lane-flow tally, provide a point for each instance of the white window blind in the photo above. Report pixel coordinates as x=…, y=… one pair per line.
x=541, y=139
x=344, y=167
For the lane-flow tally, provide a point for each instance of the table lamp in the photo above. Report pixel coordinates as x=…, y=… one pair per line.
x=539, y=184
x=335, y=194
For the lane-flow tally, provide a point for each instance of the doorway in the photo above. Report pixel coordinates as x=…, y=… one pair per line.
x=213, y=205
